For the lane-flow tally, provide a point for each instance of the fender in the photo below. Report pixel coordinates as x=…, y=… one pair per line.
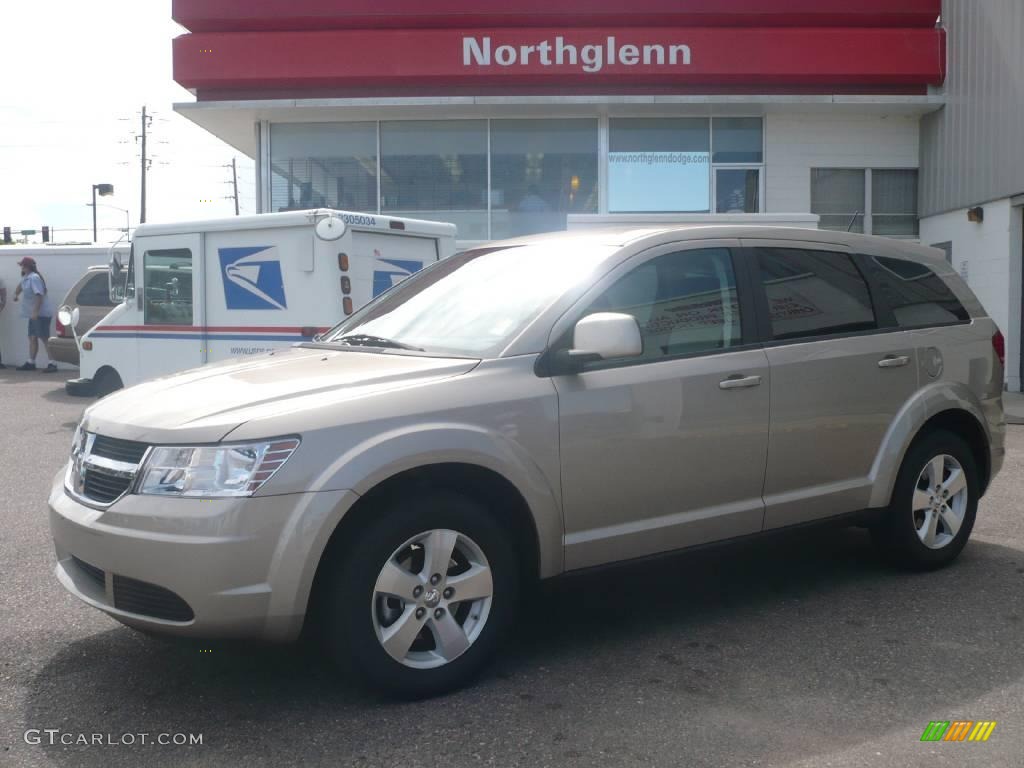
x=382, y=455
x=925, y=404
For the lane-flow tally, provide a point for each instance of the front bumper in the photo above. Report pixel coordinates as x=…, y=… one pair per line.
x=242, y=567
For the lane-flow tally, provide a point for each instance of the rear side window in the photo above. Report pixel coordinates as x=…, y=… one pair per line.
x=917, y=296
x=95, y=292
x=814, y=293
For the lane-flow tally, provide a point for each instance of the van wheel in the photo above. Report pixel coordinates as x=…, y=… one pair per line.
x=106, y=382
x=419, y=599
x=934, y=504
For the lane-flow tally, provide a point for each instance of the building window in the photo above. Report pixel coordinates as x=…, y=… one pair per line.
x=894, y=203
x=323, y=165
x=436, y=169
x=659, y=165
x=501, y=178
x=837, y=195
x=737, y=190
x=541, y=170
x=875, y=201
x=738, y=140
x=685, y=165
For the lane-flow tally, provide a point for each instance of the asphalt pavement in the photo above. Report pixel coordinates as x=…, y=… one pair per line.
x=802, y=651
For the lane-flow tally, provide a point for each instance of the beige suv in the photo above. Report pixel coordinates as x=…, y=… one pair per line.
x=530, y=408
x=91, y=295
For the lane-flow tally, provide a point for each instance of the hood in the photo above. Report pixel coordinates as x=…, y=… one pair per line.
x=205, y=404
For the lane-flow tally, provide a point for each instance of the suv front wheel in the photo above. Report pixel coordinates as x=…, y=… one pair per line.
x=421, y=596
x=934, y=503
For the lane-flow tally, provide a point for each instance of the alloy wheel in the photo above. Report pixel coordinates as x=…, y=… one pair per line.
x=432, y=599
x=940, y=501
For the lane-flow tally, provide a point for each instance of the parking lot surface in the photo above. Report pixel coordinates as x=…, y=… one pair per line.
x=801, y=651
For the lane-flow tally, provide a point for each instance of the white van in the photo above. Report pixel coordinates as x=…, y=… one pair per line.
x=199, y=292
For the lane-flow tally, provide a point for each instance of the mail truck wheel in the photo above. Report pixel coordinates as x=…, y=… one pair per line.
x=420, y=598
x=934, y=503
x=106, y=382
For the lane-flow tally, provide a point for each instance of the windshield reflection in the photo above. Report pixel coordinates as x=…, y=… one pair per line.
x=476, y=302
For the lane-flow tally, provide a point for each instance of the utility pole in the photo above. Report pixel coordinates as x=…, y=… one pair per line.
x=234, y=181
x=145, y=123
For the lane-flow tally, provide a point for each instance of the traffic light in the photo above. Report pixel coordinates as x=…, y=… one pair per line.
x=7, y=234
x=46, y=234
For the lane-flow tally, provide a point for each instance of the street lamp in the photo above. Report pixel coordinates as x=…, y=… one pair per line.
x=104, y=190
x=127, y=216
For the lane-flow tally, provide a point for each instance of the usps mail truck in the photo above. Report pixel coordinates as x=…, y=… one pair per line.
x=199, y=292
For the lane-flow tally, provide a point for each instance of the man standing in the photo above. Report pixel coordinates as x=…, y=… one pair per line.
x=36, y=308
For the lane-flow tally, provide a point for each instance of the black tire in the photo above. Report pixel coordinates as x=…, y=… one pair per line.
x=106, y=382
x=348, y=607
x=896, y=532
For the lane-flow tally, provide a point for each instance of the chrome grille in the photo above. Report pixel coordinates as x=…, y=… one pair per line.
x=103, y=469
x=119, y=450
x=103, y=487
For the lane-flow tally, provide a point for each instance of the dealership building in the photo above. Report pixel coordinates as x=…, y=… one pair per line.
x=891, y=117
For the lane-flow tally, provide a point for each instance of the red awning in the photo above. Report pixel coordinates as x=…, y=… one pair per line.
x=281, y=15
x=557, y=60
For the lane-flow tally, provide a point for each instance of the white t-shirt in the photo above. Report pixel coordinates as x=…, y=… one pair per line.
x=32, y=285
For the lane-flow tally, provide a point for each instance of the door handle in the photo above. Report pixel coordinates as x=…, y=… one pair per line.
x=739, y=381
x=893, y=362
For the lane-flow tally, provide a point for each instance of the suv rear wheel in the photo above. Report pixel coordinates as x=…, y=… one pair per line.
x=420, y=597
x=934, y=503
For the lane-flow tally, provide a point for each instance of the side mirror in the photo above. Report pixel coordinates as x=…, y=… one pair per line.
x=64, y=316
x=605, y=336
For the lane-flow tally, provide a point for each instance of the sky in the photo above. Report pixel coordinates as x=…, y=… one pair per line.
x=74, y=77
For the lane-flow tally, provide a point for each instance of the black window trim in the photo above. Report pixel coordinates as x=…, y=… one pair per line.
x=546, y=367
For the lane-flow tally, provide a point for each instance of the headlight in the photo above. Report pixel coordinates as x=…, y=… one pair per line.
x=213, y=471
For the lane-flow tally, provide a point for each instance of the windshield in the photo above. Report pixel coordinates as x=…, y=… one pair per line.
x=472, y=304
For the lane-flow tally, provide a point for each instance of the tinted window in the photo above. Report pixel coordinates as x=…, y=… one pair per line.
x=814, y=293
x=168, y=287
x=916, y=295
x=685, y=303
x=95, y=292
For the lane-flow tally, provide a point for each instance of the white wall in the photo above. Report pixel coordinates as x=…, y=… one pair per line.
x=989, y=254
x=61, y=267
x=795, y=143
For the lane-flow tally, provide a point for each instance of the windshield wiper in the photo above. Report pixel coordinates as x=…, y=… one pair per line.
x=365, y=340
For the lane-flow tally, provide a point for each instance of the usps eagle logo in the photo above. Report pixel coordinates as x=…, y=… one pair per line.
x=388, y=273
x=252, y=278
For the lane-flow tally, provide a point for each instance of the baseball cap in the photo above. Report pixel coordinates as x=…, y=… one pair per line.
x=28, y=261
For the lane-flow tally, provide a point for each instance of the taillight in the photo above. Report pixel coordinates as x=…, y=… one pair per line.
x=999, y=345
x=61, y=330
